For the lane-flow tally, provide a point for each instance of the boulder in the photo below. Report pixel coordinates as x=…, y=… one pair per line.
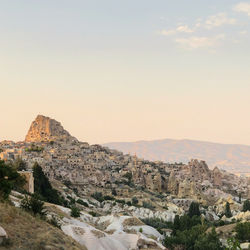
x=3, y=235
x=245, y=245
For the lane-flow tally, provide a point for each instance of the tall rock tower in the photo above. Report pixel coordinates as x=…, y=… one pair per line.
x=45, y=129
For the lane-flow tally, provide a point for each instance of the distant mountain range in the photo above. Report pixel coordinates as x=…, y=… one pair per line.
x=230, y=157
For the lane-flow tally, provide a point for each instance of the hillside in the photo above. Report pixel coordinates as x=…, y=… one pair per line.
x=28, y=232
x=124, y=202
x=233, y=158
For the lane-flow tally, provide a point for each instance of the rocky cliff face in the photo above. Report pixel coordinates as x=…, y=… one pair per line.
x=45, y=129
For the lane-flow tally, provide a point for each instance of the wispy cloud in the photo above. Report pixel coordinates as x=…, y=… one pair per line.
x=243, y=7
x=204, y=33
x=185, y=29
x=218, y=20
x=179, y=29
x=196, y=42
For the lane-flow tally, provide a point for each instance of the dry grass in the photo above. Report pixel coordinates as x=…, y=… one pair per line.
x=130, y=231
x=78, y=230
x=132, y=222
x=143, y=244
x=27, y=232
x=52, y=208
x=98, y=234
x=110, y=231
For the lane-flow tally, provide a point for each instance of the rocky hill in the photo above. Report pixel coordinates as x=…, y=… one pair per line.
x=45, y=129
x=233, y=158
x=89, y=167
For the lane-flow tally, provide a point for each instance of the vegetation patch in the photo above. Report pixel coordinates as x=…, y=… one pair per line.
x=29, y=232
x=132, y=222
x=98, y=234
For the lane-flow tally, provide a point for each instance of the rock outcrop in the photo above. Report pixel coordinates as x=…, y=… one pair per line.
x=45, y=129
x=3, y=235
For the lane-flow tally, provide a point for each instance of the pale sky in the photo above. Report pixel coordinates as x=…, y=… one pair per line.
x=127, y=70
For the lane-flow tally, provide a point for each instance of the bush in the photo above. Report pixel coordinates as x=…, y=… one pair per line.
x=82, y=202
x=94, y=214
x=34, y=148
x=9, y=179
x=108, y=198
x=209, y=241
x=75, y=212
x=147, y=205
x=33, y=204
x=140, y=230
x=157, y=223
x=194, y=209
x=134, y=201
x=120, y=201
x=246, y=206
x=128, y=175
x=114, y=193
x=186, y=238
x=98, y=196
x=243, y=231
x=67, y=183
x=129, y=203
x=72, y=201
x=233, y=244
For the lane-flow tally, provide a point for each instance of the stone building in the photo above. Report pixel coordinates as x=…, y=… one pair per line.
x=29, y=185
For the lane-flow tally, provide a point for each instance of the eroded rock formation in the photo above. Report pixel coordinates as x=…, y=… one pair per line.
x=45, y=129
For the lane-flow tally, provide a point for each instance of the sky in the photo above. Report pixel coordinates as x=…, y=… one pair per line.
x=127, y=70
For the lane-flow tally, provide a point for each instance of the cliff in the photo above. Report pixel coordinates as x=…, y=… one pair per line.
x=44, y=129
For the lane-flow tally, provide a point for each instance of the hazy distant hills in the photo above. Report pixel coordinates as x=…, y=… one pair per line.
x=234, y=158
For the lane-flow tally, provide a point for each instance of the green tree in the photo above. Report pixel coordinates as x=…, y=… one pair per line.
x=194, y=209
x=177, y=222
x=246, y=206
x=228, y=210
x=240, y=197
x=9, y=179
x=186, y=239
x=243, y=231
x=43, y=187
x=209, y=241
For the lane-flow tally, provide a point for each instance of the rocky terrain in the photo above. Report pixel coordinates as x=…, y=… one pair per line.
x=45, y=129
x=114, y=220
x=64, y=158
x=233, y=158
